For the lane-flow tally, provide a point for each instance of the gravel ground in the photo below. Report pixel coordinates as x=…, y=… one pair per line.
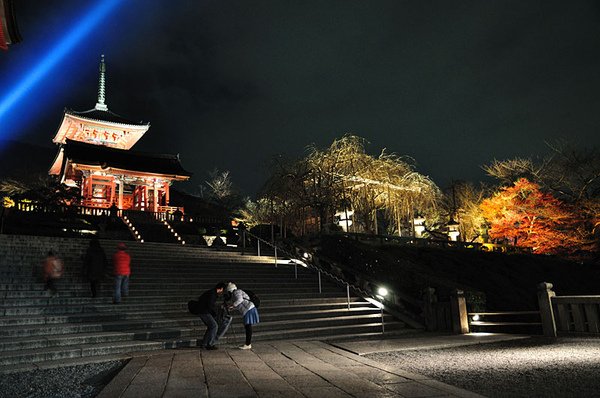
x=533, y=367
x=83, y=381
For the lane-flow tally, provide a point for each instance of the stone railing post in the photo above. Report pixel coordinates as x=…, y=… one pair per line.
x=429, y=310
x=458, y=308
x=545, y=294
x=243, y=242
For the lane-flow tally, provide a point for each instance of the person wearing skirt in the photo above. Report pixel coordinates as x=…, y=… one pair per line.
x=241, y=302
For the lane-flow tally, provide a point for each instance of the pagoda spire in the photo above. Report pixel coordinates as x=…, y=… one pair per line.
x=100, y=105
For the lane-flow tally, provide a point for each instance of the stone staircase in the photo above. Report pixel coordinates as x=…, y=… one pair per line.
x=150, y=229
x=36, y=328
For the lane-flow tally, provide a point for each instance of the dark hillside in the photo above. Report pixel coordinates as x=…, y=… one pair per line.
x=508, y=280
x=25, y=162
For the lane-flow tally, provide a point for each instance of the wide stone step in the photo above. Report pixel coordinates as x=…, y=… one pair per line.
x=68, y=328
x=103, y=343
x=105, y=304
x=11, y=346
x=59, y=301
x=182, y=320
x=180, y=304
x=138, y=288
x=84, y=350
x=140, y=293
x=148, y=314
x=270, y=321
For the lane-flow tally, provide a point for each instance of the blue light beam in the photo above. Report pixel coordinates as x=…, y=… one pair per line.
x=93, y=17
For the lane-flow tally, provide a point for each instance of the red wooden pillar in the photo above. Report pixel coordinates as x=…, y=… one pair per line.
x=166, y=189
x=90, y=188
x=112, y=191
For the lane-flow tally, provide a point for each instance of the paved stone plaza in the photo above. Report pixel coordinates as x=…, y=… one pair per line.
x=270, y=369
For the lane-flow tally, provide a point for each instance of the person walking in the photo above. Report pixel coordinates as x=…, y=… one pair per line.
x=207, y=313
x=53, y=269
x=95, y=263
x=241, y=302
x=121, y=269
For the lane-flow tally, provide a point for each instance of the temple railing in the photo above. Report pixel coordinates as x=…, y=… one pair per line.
x=91, y=207
x=95, y=204
x=169, y=213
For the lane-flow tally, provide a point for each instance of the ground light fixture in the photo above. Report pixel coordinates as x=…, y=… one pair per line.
x=475, y=318
x=381, y=293
x=306, y=255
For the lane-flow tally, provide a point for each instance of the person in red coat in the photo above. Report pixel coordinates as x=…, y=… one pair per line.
x=53, y=270
x=122, y=269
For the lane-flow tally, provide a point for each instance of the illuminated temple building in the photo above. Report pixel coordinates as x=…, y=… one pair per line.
x=95, y=154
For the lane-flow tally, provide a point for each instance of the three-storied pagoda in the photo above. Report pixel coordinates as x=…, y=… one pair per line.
x=95, y=154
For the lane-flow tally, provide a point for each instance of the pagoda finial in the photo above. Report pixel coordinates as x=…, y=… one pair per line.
x=100, y=105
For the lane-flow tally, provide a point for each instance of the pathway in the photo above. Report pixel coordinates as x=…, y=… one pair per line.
x=271, y=369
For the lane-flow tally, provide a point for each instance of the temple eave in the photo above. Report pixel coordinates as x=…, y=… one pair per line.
x=99, y=132
x=131, y=173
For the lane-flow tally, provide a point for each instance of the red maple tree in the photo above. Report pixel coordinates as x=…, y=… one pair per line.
x=530, y=218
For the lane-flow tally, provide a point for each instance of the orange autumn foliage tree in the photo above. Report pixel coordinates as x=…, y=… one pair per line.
x=530, y=218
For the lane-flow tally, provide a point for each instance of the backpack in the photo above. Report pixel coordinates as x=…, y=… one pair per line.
x=253, y=297
x=193, y=307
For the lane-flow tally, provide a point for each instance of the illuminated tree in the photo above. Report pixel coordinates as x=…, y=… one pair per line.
x=529, y=217
x=344, y=176
x=570, y=174
x=44, y=190
x=462, y=203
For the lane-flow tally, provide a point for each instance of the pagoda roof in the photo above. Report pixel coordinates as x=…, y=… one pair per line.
x=100, y=127
x=104, y=116
x=75, y=152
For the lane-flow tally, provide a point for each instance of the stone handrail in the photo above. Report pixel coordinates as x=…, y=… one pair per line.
x=486, y=247
x=568, y=314
x=362, y=289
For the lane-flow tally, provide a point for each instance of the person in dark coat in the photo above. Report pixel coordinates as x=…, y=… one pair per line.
x=207, y=313
x=95, y=264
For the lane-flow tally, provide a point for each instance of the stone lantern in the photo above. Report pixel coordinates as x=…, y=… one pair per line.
x=453, y=232
x=419, y=226
x=344, y=219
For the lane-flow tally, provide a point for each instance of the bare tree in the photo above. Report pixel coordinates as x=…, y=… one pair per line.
x=220, y=184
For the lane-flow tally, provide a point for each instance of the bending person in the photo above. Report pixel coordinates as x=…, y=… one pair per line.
x=241, y=302
x=207, y=313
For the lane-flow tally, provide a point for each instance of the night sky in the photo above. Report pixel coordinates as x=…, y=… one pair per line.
x=230, y=84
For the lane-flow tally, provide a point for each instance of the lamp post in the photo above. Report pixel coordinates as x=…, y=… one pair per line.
x=382, y=292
